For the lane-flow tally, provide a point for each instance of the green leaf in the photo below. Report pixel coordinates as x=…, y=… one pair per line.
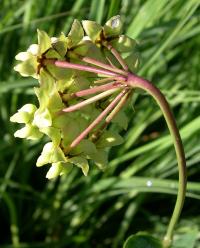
x=186, y=239
x=113, y=27
x=92, y=29
x=44, y=41
x=142, y=240
x=109, y=138
x=75, y=35
x=81, y=163
x=147, y=14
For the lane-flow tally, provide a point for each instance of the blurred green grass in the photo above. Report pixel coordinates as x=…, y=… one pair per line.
x=101, y=210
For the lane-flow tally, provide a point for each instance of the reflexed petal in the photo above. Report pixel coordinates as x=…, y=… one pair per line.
x=27, y=68
x=33, y=49
x=29, y=132
x=42, y=118
x=75, y=35
x=60, y=45
x=20, y=117
x=23, y=56
x=50, y=154
x=53, y=133
x=54, y=171
x=24, y=114
x=23, y=132
x=44, y=41
x=92, y=29
x=29, y=108
x=81, y=163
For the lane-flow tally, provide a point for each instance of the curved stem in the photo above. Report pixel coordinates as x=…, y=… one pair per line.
x=137, y=82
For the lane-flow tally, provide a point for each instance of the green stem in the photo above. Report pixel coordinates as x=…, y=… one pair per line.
x=137, y=82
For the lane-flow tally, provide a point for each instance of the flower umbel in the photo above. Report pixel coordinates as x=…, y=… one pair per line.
x=77, y=101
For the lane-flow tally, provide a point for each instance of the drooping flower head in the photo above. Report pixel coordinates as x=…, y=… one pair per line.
x=60, y=90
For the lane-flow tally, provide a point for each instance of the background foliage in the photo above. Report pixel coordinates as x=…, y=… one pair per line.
x=137, y=191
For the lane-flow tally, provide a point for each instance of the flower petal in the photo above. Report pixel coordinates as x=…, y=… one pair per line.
x=27, y=68
x=33, y=49
x=50, y=154
x=75, y=35
x=44, y=42
x=92, y=29
x=42, y=118
x=54, y=171
x=81, y=163
x=29, y=132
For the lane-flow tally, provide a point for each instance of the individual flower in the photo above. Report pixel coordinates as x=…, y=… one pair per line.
x=110, y=33
x=26, y=115
x=32, y=59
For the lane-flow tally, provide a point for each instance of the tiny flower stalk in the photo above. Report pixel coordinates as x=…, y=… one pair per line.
x=85, y=80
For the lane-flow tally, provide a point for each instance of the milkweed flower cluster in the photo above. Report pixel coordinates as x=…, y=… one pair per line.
x=85, y=80
x=77, y=101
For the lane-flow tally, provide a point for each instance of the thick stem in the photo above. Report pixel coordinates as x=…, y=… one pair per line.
x=137, y=82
